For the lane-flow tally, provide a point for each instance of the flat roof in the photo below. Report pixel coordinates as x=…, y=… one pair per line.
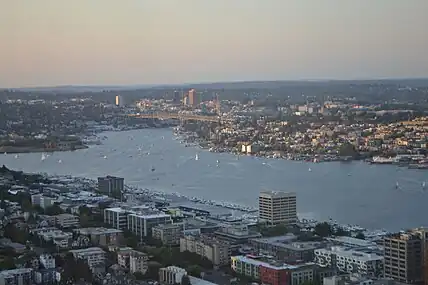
x=99, y=230
x=357, y=255
x=256, y=262
x=277, y=194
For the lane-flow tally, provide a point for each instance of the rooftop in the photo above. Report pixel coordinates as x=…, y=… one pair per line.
x=357, y=255
x=269, y=263
x=277, y=194
x=90, y=250
x=97, y=231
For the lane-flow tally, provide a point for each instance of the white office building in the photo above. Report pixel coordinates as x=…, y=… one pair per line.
x=142, y=223
x=116, y=218
x=350, y=261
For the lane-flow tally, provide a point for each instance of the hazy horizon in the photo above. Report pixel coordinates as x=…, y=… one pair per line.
x=135, y=42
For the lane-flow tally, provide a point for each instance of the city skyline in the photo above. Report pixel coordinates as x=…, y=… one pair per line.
x=168, y=42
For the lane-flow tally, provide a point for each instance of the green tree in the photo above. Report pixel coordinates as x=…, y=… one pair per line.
x=194, y=270
x=54, y=210
x=139, y=276
x=323, y=229
x=360, y=235
x=7, y=263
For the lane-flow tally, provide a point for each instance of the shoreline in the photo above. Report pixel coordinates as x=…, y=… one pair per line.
x=18, y=150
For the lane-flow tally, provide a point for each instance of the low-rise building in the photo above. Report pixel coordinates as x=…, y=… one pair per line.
x=169, y=234
x=350, y=261
x=67, y=221
x=93, y=256
x=273, y=272
x=47, y=260
x=47, y=276
x=21, y=276
x=218, y=252
x=102, y=236
x=171, y=275
x=59, y=238
x=134, y=261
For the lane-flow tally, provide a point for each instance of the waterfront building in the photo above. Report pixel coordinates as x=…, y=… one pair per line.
x=171, y=275
x=102, y=236
x=93, y=256
x=404, y=256
x=169, y=234
x=141, y=223
x=278, y=207
x=111, y=185
x=21, y=276
x=350, y=261
x=134, y=261
x=273, y=272
x=119, y=101
x=218, y=252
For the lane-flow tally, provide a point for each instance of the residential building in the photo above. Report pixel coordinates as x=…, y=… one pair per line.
x=350, y=261
x=171, y=275
x=134, y=261
x=286, y=247
x=21, y=276
x=41, y=201
x=169, y=234
x=142, y=223
x=236, y=234
x=218, y=252
x=273, y=272
x=102, y=236
x=93, y=256
x=47, y=260
x=403, y=253
x=67, y=221
x=278, y=207
x=116, y=217
x=47, y=276
x=59, y=238
x=111, y=185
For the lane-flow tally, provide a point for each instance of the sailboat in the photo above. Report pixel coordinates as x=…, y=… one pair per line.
x=196, y=157
x=59, y=161
x=16, y=156
x=423, y=184
x=397, y=185
x=309, y=169
x=43, y=157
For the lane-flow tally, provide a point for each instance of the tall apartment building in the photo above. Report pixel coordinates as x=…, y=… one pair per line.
x=111, y=185
x=218, y=252
x=278, y=207
x=171, y=275
x=404, y=256
x=350, y=261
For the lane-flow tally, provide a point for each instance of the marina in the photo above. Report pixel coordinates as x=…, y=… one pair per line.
x=341, y=191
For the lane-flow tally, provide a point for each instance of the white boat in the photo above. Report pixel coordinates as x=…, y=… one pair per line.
x=218, y=162
x=196, y=157
x=43, y=157
x=5, y=153
x=105, y=156
x=397, y=185
x=423, y=184
x=309, y=170
x=59, y=161
x=16, y=156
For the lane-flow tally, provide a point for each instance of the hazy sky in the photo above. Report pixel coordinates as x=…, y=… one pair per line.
x=58, y=42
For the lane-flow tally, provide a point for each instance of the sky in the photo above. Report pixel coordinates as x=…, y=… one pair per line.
x=123, y=42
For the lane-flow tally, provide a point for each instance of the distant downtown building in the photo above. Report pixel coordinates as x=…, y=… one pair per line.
x=278, y=207
x=111, y=185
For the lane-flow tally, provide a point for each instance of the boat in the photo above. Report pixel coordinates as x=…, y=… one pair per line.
x=105, y=157
x=309, y=169
x=381, y=160
x=397, y=185
x=43, y=157
x=153, y=169
x=16, y=156
x=196, y=157
x=59, y=161
x=5, y=153
x=423, y=184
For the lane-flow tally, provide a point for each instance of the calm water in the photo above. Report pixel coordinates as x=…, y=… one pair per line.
x=355, y=193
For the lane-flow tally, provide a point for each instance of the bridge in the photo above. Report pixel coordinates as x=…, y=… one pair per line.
x=177, y=116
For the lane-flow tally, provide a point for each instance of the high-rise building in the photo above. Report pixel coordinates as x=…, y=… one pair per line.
x=404, y=256
x=119, y=101
x=176, y=97
x=278, y=207
x=193, y=99
x=111, y=185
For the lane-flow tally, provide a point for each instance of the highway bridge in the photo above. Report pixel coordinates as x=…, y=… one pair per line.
x=177, y=116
